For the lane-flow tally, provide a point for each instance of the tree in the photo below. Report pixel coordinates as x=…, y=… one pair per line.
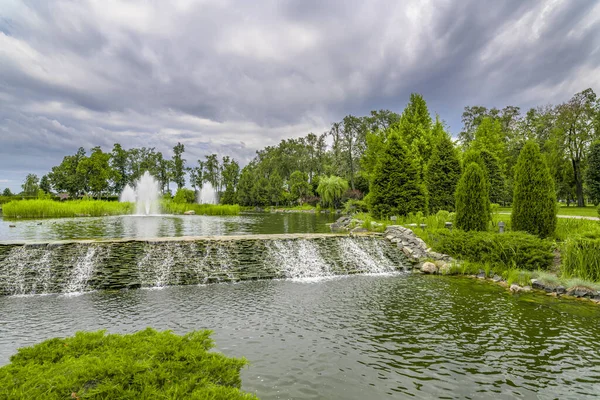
x=95, y=171
x=576, y=129
x=229, y=180
x=488, y=136
x=178, y=172
x=415, y=127
x=45, y=184
x=472, y=200
x=260, y=191
x=396, y=188
x=212, y=171
x=592, y=176
x=65, y=178
x=299, y=186
x=244, y=189
x=275, y=188
x=534, y=198
x=7, y=192
x=184, y=195
x=31, y=185
x=442, y=175
x=494, y=177
x=331, y=189
x=119, y=161
x=471, y=118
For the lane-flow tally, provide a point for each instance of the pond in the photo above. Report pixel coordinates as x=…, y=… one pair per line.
x=129, y=226
x=359, y=337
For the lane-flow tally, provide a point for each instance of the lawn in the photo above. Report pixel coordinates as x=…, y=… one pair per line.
x=589, y=211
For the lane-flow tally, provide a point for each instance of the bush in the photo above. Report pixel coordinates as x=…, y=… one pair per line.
x=184, y=195
x=354, y=206
x=501, y=250
x=534, y=198
x=472, y=200
x=147, y=364
x=581, y=258
x=442, y=175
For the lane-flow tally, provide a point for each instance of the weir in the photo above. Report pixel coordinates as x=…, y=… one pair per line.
x=79, y=266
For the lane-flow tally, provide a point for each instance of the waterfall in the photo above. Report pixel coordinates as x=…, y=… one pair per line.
x=77, y=267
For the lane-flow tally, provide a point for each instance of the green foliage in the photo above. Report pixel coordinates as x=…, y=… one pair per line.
x=144, y=365
x=396, y=188
x=488, y=137
x=517, y=276
x=472, y=200
x=178, y=165
x=592, y=176
x=45, y=184
x=299, y=186
x=200, y=209
x=184, y=195
x=534, y=198
x=581, y=258
x=331, y=189
x=6, y=192
x=275, y=188
x=56, y=209
x=494, y=177
x=500, y=250
x=260, y=191
x=442, y=175
x=94, y=172
x=31, y=185
x=353, y=206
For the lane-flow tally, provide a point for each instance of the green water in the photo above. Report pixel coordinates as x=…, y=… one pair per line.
x=359, y=337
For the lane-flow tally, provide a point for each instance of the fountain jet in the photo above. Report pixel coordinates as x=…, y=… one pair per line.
x=145, y=195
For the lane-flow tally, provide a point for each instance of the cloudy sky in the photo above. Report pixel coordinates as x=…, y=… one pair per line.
x=234, y=76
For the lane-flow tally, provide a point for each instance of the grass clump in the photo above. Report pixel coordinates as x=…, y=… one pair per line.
x=201, y=209
x=502, y=251
x=147, y=364
x=517, y=276
x=44, y=208
x=581, y=258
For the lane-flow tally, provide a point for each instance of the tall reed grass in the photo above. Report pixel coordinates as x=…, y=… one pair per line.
x=55, y=209
x=200, y=209
x=581, y=258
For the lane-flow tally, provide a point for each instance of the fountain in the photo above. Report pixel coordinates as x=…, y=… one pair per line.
x=207, y=195
x=145, y=195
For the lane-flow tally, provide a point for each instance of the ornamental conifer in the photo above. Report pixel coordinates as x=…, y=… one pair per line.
x=534, y=198
x=472, y=200
x=442, y=175
x=395, y=185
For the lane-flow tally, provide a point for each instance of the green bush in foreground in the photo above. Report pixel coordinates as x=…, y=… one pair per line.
x=472, y=200
x=581, y=259
x=144, y=365
x=534, y=198
x=44, y=208
x=502, y=251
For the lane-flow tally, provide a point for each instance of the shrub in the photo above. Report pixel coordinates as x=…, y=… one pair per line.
x=354, y=206
x=147, y=364
x=472, y=200
x=534, y=198
x=505, y=251
x=592, y=175
x=184, y=195
x=396, y=188
x=581, y=258
x=442, y=175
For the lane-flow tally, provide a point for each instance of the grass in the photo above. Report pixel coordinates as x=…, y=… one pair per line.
x=200, y=209
x=581, y=258
x=147, y=364
x=57, y=209
x=588, y=211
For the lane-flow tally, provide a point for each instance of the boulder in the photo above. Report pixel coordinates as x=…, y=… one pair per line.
x=496, y=278
x=515, y=288
x=359, y=229
x=429, y=268
x=190, y=212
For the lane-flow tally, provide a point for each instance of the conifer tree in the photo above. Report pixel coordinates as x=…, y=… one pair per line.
x=592, y=176
x=474, y=156
x=472, y=200
x=534, y=198
x=442, y=175
x=395, y=186
x=494, y=176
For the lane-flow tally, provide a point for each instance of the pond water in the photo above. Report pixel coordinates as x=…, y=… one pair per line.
x=129, y=226
x=359, y=337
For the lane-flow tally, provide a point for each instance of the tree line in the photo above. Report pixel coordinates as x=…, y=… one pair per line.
x=380, y=156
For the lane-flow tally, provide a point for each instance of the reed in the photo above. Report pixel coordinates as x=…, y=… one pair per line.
x=56, y=209
x=200, y=209
x=581, y=258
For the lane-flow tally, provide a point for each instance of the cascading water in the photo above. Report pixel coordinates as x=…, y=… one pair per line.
x=145, y=195
x=207, y=195
x=83, y=266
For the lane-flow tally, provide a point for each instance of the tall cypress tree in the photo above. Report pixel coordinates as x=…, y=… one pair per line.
x=474, y=156
x=592, y=175
x=395, y=186
x=534, y=198
x=472, y=200
x=442, y=175
x=494, y=176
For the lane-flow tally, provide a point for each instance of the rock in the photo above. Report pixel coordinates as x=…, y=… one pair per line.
x=190, y=212
x=407, y=250
x=580, y=291
x=526, y=288
x=429, y=268
x=360, y=229
x=496, y=278
x=481, y=275
x=443, y=267
x=561, y=290
x=537, y=284
x=515, y=288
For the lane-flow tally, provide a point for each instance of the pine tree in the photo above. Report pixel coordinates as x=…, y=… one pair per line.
x=442, y=175
x=534, y=198
x=592, y=175
x=474, y=156
x=395, y=187
x=472, y=200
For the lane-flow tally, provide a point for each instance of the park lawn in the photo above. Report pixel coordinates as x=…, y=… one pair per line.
x=589, y=211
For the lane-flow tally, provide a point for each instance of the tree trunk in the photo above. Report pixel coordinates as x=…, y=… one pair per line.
x=578, y=182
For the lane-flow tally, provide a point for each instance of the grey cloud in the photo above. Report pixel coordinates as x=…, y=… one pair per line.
x=233, y=76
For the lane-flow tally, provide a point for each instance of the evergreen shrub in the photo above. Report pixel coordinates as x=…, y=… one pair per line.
x=472, y=200
x=442, y=175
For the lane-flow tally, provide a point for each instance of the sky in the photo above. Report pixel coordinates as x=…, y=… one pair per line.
x=230, y=77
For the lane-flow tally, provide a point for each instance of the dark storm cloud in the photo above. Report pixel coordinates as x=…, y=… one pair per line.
x=233, y=76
